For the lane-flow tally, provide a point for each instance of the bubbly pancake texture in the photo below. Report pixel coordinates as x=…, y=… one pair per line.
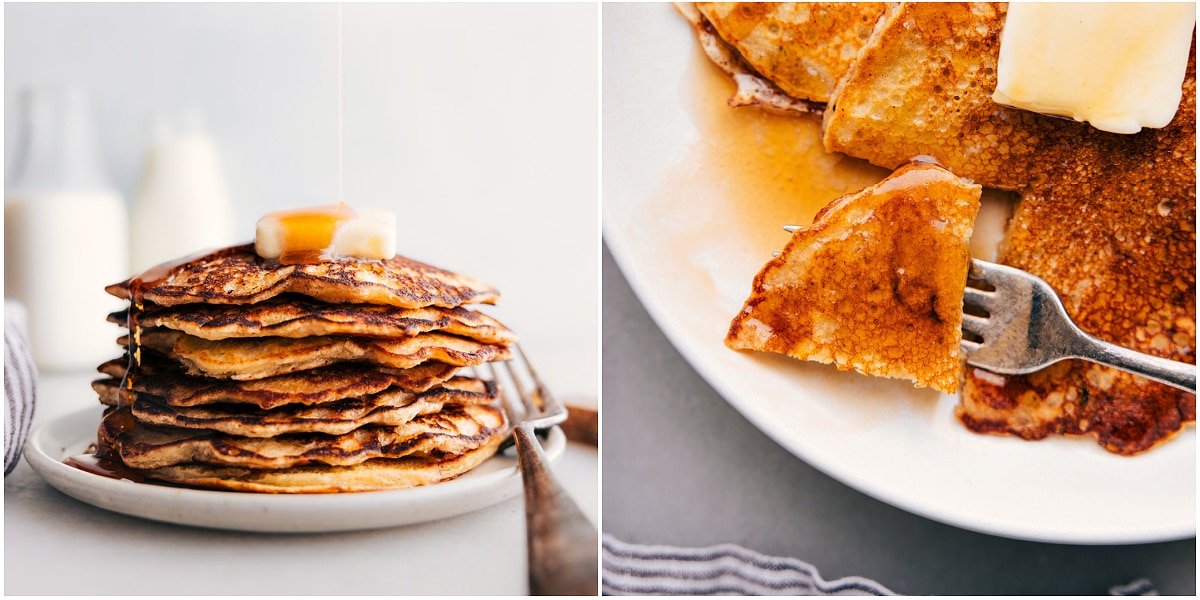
x=752, y=88
x=802, y=47
x=875, y=284
x=1108, y=220
x=236, y=275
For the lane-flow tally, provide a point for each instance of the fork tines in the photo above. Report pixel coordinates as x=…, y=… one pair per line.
x=980, y=305
x=524, y=396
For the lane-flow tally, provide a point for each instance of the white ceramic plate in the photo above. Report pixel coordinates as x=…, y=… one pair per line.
x=495, y=480
x=690, y=254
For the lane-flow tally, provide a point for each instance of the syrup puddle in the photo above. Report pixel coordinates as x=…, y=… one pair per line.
x=721, y=208
x=749, y=173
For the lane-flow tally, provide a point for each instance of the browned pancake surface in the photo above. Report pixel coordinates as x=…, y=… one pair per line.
x=1107, y=219
x=453, y=430
x=875, y=284
x=371, y=475
x=257, y=358
x=296, y=316
x=392, y=407
x=802, y=47
x=159, y=378
x=236, y=275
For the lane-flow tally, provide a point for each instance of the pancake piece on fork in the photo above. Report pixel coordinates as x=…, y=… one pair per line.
x=875, y=284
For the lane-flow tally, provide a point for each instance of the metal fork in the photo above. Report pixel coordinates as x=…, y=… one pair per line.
x=1027, y=328
x=562, y=543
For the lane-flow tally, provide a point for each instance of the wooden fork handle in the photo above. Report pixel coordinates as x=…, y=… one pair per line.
x=562, y=543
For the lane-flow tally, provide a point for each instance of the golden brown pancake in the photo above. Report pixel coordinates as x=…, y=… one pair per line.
x=922, y=86
x=367, y=476
x=875, y=284
x=1107, y=219
x=1126, y=274
x=257, y=358
x=160, y=378
x=244, y=374
x=296, y=317
x=802, y=47
x=237, y=275
x=453, y=430
x=392, y=407
x=752, y=88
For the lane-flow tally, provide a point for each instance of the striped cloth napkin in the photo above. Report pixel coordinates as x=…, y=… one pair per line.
x=729, y=569
x=20, y=384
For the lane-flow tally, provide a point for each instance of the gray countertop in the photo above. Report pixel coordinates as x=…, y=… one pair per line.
x=682, y=467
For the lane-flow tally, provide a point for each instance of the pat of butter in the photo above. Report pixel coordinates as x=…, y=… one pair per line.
x=323, y=233
x=1118, y=66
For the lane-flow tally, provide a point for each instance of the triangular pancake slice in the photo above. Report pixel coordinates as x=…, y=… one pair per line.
x=875, y=284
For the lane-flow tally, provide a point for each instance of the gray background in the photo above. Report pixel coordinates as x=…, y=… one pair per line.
x=682, y=467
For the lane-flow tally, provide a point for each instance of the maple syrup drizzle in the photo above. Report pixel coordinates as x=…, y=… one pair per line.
x=309, y=232
x=106, y=461
x=341, y=104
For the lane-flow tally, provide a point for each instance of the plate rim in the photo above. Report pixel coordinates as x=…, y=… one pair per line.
x=274, y=513
x=661, y=318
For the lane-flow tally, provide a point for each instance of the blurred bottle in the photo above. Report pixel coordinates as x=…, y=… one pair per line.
x=65, y=234
x=182, y=205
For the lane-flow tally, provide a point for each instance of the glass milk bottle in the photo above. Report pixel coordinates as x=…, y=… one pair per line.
x=182, y=205
x=65, y=234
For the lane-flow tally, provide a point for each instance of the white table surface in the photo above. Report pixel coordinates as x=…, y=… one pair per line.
x=56, y=545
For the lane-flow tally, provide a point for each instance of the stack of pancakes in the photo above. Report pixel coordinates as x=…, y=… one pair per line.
x=330, y=377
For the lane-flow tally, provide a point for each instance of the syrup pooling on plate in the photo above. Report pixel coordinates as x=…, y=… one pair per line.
x=108, y=466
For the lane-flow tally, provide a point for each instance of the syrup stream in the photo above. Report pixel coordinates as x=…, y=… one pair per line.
x=106, y=461
x=341, y=127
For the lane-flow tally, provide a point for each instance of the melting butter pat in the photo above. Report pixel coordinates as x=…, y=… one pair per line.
x=1118, y=66
x=324, y=233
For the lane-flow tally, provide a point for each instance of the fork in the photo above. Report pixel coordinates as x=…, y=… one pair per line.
x=1027, y=328
x=562, y=544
